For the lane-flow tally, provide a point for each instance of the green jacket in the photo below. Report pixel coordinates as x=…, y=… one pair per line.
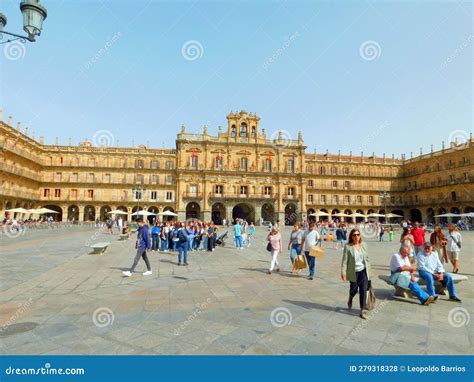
x=348, y=261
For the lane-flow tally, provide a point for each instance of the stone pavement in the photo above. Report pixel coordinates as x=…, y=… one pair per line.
x=55, y=298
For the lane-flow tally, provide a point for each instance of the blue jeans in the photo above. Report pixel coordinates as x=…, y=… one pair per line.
x=183, y=250
x=190, y=242
x=430, y=280
x=238, y=241
x=295, y=250
x=311, y=263
x=418, y=292
x=155, y=239
x=164, y=245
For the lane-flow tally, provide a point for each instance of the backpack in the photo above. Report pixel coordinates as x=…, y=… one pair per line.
x=182, y=236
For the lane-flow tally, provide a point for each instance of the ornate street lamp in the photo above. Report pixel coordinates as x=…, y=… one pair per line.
x=33, y=16
x=138, y=195
x=384, y=196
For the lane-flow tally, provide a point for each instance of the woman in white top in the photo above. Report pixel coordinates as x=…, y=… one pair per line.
x=454, y=246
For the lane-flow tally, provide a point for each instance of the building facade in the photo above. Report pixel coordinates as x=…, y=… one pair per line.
x=238, y=173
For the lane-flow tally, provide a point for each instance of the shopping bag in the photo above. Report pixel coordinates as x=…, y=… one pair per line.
x=300, y=262
x=316, y=251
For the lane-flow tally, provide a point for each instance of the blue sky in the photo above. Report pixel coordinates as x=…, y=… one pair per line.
x=351, y=75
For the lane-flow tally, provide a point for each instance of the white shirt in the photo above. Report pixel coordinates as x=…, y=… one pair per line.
x=310, y=238
x=398, y=261
x=359, y=260
x=452, y=246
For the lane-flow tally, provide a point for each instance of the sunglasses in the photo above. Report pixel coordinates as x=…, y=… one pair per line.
x=356, y=234
x=427, y=247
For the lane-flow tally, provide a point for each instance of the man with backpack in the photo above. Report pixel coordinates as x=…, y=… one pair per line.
x=143, y=245
x=182, y=245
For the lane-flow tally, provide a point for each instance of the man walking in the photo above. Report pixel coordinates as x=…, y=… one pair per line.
x=143, y=245
x=182, y=244
x=418, y=237
x=454, y=246
x=310, y=238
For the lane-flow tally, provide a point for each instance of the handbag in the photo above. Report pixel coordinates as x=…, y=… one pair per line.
x=316, y=251
x=371, y=299
x=269, y=247
x=457, y=242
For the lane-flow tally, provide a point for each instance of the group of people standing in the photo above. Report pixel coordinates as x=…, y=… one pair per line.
x=243, y=233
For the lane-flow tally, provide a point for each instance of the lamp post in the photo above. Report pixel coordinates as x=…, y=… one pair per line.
x=138, y=195
x=384, y=196
x=33, y=16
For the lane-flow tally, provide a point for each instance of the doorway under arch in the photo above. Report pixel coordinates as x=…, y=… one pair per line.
x=243, y=211
x=268, y=212
x=193, y=211
x=291, y=214
x=218, y=213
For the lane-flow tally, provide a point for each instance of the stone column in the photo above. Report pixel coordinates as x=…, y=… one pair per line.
x=258, y=214
x=64, y=215
x=206, y=216
x=81, y=213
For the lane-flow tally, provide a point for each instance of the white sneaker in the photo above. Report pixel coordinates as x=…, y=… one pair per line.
x=127, y=273
x=147, y=273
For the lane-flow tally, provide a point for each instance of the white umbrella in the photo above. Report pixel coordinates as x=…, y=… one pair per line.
x=44, y=211
x=320, y=213
x=167, y=213
x=341, y=214
x=18, y=210
x=357, y=215
x=375, y=215
x=447, y=215
x=468, y=215
x=143, y=213
x=118, y=212
x=390, y=215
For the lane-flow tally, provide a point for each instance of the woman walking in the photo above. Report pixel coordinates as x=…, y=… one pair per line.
x=250, y=234
x=274, y=238
x=438, y=241
x=355, y=267
x=454, y=246
x=294, y=245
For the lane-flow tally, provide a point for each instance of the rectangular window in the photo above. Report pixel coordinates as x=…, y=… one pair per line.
x=268, y=165
x=347, y=199
x=90, y=177
x=139, y=179
x=195, y=161
x=57, y=177
x=334, y=184
x=154, y=164
x=153, y=195
x=310, y=183
x=169, y=179
x=243, y=190
x=218, y=189
x=57, y=193
x=46, y=192
x=371, y=200
x=291, y=191
x=291, y=165
x=74, y=194
x=107, y=178
x=193, y=189
x=359, y=199
x=243, y=164
x=347, y=184
x=154, y=179
x=310, y=198
x=169, y=195
x=139, y=163
x=74, y=177
x=335, y=199
x=323, y=199
x=268, y=190
x=219, y=162
x=90, y=193
x=170, y=165
x=346, y=170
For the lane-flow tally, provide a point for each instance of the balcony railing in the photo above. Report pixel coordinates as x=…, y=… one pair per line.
x=192, y=195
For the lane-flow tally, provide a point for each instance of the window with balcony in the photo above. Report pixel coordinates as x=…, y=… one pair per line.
x=453, y=196
x=347, y=184
x=170, y=165
x=452, y=178
x=322, y=170
x=334, y=171
x=57, y=193
x=139, y=179
x=90, y=178
x=322, y=198
x=139, y=163
x=267, y=190
x=371, y=200
x=346, y=170
x=334, y=184
x=154, y=179
x=310, y=198
x=90, y=194
x=243, y=190
x=218, y=189
x=169, y=179
x=107, y=178
x=359, y=199
x=291, y=191
x=74, y=177
x=154, y=164
x=57, y=177
x=74, y=194
x=310, y=183
x=219, y=162
x=169, y=196
x=46, y=192
x=195, y=161
x=124, y=195
x=335, y=199
x=153, y=195
x=193, y=189
x=347, y=199
x=253, y=134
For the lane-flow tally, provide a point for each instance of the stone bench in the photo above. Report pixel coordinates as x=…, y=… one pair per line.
x=401, y=292
x=99, y=248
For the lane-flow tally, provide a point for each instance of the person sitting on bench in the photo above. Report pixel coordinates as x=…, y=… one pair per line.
x=402, y=275
x=431, y=270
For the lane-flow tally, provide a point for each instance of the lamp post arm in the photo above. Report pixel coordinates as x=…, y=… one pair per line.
x=29, y=38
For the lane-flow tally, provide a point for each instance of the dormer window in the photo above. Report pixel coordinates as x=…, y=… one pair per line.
x=233, y=131
x=243, y=130
x=253, y=133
